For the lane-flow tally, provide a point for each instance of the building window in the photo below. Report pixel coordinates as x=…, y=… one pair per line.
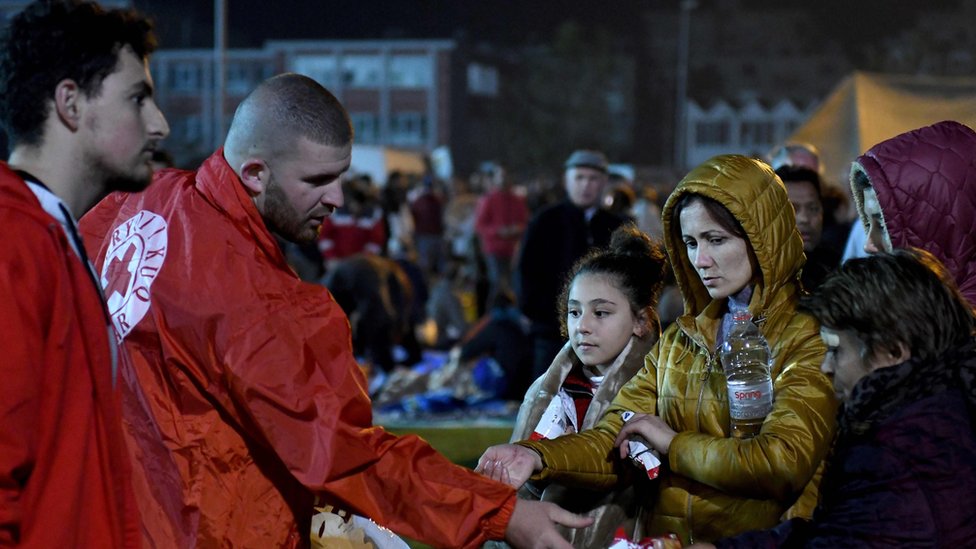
x=710, y=133
x=408, y=128
x=482, y=80
x=187, y=129
x=186, y=78
x=321, y=68
x=366, y=126
x=362, y=71
x=411, y=71
x=757, y=133
x=241, y=78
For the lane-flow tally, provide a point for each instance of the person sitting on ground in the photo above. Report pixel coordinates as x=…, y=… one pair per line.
x=502, y=334
x=900, y=349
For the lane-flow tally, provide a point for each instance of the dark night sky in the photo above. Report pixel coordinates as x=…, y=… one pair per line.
x=190, y=23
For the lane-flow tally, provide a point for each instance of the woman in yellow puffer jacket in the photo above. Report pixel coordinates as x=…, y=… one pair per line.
x=731, y=235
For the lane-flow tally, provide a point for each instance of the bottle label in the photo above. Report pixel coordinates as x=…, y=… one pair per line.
x=750, y=400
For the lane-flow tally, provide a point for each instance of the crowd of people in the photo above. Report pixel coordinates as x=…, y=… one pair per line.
x=151, y=399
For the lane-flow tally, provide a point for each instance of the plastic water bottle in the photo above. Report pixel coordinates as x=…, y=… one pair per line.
x=746, y=359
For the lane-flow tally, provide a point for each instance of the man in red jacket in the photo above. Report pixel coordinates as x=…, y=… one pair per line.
x=76, y=102
x=249, y=370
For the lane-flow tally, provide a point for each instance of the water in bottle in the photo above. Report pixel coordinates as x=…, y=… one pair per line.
x=746, y=360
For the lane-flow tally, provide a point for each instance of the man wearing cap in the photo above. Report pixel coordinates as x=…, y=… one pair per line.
x=555, y=238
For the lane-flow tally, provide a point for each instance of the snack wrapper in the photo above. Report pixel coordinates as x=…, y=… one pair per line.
x=552, y=424
x=621, y=541
x=641, y=453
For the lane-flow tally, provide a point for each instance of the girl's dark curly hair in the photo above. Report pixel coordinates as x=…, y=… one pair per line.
x=634, y=263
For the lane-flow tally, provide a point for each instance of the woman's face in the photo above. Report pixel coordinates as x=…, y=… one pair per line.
x=720, y=258
x=599, y=320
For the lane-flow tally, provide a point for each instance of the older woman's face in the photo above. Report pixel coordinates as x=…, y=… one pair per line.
x=720, y=258
x=878, y=239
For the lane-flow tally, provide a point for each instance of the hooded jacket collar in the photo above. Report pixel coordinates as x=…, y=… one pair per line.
x=222, y=187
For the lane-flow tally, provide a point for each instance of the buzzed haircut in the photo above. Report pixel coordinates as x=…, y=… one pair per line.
x=55, y=40
x=284, y=108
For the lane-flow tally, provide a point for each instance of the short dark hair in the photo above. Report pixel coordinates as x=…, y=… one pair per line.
x=286, y=107
x=793, y=174
x=634, y=263
x=904, y=297
x=53, y=40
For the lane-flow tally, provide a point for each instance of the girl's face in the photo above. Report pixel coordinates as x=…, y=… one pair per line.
x=720, y=258
x=599, y=320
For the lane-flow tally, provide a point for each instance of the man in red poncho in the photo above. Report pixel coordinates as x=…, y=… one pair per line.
x=249, y=370
x=76, y=102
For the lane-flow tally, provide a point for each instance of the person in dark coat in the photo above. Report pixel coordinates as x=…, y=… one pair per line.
x=375, y=294
x=501, y=335
x=804, y=189
x=555, y=238
x=900, y=348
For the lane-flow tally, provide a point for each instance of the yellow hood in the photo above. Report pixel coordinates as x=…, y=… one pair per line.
x=758, y=200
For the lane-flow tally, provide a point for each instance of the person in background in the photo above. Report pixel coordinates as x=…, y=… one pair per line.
x=555, y=238
x=647, y=213
x=502, y=335
x=375, y=293
x=356, y=227
x=732, y=250
x=619, y=199
x=249, y=370
x=900, y=350
x=427, y=211
x=76, y=100
x=608, y=314
x=397, y=220
x=918, y=189
x=445, y=307
x=797, y=155
x=836, y=226
x=500, y=219
x=803, y=187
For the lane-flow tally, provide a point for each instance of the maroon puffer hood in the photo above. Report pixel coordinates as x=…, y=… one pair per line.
x=925, y=180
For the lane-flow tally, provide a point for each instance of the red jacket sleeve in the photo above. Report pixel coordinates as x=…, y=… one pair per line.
x=292, y=373
x=24, y=308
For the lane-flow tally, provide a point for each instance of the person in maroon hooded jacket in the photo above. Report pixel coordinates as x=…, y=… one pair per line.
x=919, y=189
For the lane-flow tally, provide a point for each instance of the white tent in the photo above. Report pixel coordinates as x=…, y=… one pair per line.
x=867, y=108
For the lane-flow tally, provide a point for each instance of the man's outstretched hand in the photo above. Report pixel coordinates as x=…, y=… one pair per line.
x=532, y=525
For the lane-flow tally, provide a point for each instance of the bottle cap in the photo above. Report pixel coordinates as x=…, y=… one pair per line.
x=741, y=315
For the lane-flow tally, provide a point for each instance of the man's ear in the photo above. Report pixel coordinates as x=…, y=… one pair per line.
x=255, y=175
x=67, y=98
